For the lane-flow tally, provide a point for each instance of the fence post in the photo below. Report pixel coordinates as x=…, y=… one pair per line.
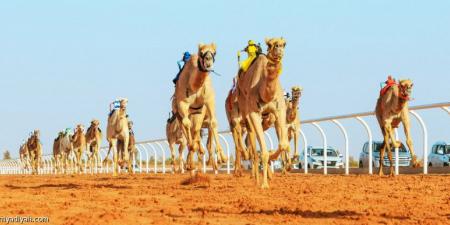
x=370, y=143
x=344, y=132
x=425, y=140
x=305, y=152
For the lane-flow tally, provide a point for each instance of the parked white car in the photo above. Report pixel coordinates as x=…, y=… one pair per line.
x=439, y=155
x=316, y=160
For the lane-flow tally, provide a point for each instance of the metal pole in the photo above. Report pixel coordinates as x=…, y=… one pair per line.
x=446, y=109
x=155, y=156
x=325, y=148
x=344, y=132
x=164, y=157
x=140, y=158
x=228, y=152
x=147, y=158
x=425, y=140
x=305, y=152
x=370, y=143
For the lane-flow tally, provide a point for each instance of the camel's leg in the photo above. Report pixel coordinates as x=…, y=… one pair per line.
x=126, y=154
x=211, y=110
x=197, y=121
x=239, y=131
x=96, y=155
x=296, y=133
x=172, y=155
x=237, y=162
x=409, y=142
x=181, y=147
x=113, y=145
x=255, y=120
x=389, y=144
x=382, y=150
x=209, y=147
x=255, y=158
x=183, y=111
x=90, y=158
x=281, y=130
x=78, y=155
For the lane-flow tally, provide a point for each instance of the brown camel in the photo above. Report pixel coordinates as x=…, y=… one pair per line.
x=79, y=145
x=174, y=136
x=237, y=128
x=131, y=148
x=117, y=129
x=260, y=92
x=93, y=142
x=292, y=123
x=57, y=154
x=391, y=109
x=35, y=151
x=293, y=118
x=194, y=99
x=24, y=156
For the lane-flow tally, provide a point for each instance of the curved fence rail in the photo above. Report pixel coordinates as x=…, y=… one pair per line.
x=152, y=156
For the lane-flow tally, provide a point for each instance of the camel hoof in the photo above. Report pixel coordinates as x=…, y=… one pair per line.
x=265, y=185
x=380, y=173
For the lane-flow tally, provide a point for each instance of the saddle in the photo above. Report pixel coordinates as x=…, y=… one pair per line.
x=390, y=82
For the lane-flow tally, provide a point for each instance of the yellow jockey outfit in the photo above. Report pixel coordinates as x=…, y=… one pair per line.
x=252, y=52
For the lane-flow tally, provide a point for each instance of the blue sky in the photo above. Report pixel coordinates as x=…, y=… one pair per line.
x=62, y=62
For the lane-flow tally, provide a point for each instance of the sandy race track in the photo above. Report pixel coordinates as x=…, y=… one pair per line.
x=224, y=199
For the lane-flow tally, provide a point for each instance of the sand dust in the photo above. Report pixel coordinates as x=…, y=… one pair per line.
x=225, y=199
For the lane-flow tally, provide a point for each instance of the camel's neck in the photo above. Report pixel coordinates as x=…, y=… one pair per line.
x=76, y=137
x=119, y=124
x=292, y=111
x=399, y=102
x=270, y=82
x=197, y=80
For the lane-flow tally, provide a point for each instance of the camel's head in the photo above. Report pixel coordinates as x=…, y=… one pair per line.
x=36, y=133
x=296, y=92
x=206, y=56
x=95, y=123
x=79, y=128
x=406, y=88
x=275, y=48
x=123, y=103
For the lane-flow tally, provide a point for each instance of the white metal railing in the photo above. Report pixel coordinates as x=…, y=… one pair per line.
x=154, y=151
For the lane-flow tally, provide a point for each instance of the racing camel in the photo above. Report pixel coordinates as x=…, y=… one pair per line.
x=174, y=136
x=260, y=92
x=79, y=146
x=24, y=156
x=131, y=148
x=34, y=147
x=237, y=128
x=292, y=123
x=117, y=129
x=194, y=99
x=93, y=142
x=391, y=109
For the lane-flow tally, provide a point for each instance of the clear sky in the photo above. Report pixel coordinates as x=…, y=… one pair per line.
x=62, y=62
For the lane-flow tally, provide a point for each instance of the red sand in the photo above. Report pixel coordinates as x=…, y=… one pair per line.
x=225, y=199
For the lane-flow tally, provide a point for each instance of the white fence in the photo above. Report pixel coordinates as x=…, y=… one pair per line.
x=151, y=155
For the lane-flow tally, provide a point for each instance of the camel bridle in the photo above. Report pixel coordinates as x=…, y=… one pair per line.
x=201, y=60
x=403, y=93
